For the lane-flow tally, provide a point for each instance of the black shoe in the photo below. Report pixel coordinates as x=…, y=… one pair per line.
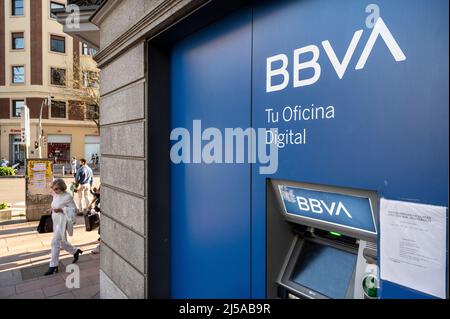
x=51, y=271
x=77, y=255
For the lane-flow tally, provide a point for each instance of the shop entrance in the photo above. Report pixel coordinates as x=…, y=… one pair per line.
x=17, y=153
x=92, y=149
x=59, y=148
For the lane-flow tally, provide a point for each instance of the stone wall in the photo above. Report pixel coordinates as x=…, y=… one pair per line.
x=124, y=27
x=123, y=147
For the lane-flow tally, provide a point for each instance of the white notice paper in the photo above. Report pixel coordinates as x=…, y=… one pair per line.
x=39, y=167
x=413, y=246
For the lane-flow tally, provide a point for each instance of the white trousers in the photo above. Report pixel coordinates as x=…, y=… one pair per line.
x=84, y=196
x=59, y=240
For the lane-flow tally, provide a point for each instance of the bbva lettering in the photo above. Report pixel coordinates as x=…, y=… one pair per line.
x=318, y=206
x=380, y=29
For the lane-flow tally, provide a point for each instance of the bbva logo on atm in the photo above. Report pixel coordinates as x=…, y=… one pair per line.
x=318, y=206
x=380, y=29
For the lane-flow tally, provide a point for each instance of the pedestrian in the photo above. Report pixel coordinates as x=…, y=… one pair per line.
x=84, y=178
x=4, y=162
x=93, y=161
x=63, y=210
x=73, y=166
x=95, y=203
x=96, y=206
x=96, y=160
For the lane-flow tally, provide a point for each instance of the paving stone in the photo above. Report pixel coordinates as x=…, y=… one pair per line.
x=94, y=279
x=34, y=294
x=56, y=290
x=67, y=295
x=7, y=291
x=10, y=281
x=89, y=265
x=6, y=275
x=41, y=283
x=24, y=246
x=86, y=293
x=15, y=264
x=13, y=256
x=90, y=273
x=18, y=239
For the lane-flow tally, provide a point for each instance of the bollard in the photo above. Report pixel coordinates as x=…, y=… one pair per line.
x=63, y=170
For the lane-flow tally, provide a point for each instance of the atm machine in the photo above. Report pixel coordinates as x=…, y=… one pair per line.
x=321, y=241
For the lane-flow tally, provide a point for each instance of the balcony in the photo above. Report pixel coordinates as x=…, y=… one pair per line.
x=86, y=31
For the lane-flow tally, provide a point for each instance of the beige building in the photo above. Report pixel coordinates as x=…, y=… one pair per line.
x=37, y=60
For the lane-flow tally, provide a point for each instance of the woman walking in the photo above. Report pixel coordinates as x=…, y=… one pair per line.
x=64, y=212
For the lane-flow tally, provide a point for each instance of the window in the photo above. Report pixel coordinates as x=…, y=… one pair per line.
x=18, y=74
x=92, y=112
x=17, y=8
x=18, y=42
x=17, y=106
x=85, y=78
x=88, y=50
x=57, y=44
x=90, y=79
x=58, y=109
x=55, y=5
x=58, y=76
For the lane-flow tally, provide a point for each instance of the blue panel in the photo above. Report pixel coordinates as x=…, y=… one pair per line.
x=331, y=208
x=390, y=130
x=211, y=80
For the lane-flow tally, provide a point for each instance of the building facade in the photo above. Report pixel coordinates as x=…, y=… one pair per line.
x=204, y=230
x=38, y=60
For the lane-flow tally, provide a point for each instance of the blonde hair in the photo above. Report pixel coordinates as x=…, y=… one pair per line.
x=60, y=184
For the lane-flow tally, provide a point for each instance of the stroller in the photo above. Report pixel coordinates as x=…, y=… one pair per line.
x=92, y=218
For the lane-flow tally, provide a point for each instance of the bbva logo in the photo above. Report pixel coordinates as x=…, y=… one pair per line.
x=319, y=207
x=380, y=29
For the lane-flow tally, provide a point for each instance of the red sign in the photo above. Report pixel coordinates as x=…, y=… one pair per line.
x=16, y=130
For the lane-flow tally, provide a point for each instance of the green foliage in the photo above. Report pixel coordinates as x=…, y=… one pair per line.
x=3, y=206
x=7, y=171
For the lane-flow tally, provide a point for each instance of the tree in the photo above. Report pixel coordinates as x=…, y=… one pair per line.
x=84, y=84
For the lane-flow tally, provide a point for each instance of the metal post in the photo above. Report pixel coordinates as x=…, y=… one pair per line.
x=39, y=132
x=39, y=128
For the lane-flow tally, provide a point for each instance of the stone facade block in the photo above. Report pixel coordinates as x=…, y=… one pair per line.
x=130, y=210
x=125, y=277
x=123, y=140
x=126, y=174
x=126, y=69
x=129, y=245
x=113, y=109
x=109, y=290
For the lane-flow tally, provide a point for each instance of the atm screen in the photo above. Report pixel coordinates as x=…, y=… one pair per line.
x=324, y=269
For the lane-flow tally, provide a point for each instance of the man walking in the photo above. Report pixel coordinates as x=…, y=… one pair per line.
x=73, y=166
x=84, y=178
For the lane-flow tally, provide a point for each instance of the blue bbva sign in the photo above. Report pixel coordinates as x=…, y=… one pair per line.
x=347, y=211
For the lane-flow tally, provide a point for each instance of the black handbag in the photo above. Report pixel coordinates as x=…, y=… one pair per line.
x=91, y=221
x=45, y=224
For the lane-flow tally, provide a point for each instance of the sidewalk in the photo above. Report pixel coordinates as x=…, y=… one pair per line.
x=24, y=258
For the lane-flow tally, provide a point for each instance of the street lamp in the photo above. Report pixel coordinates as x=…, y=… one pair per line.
x=48, y=102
